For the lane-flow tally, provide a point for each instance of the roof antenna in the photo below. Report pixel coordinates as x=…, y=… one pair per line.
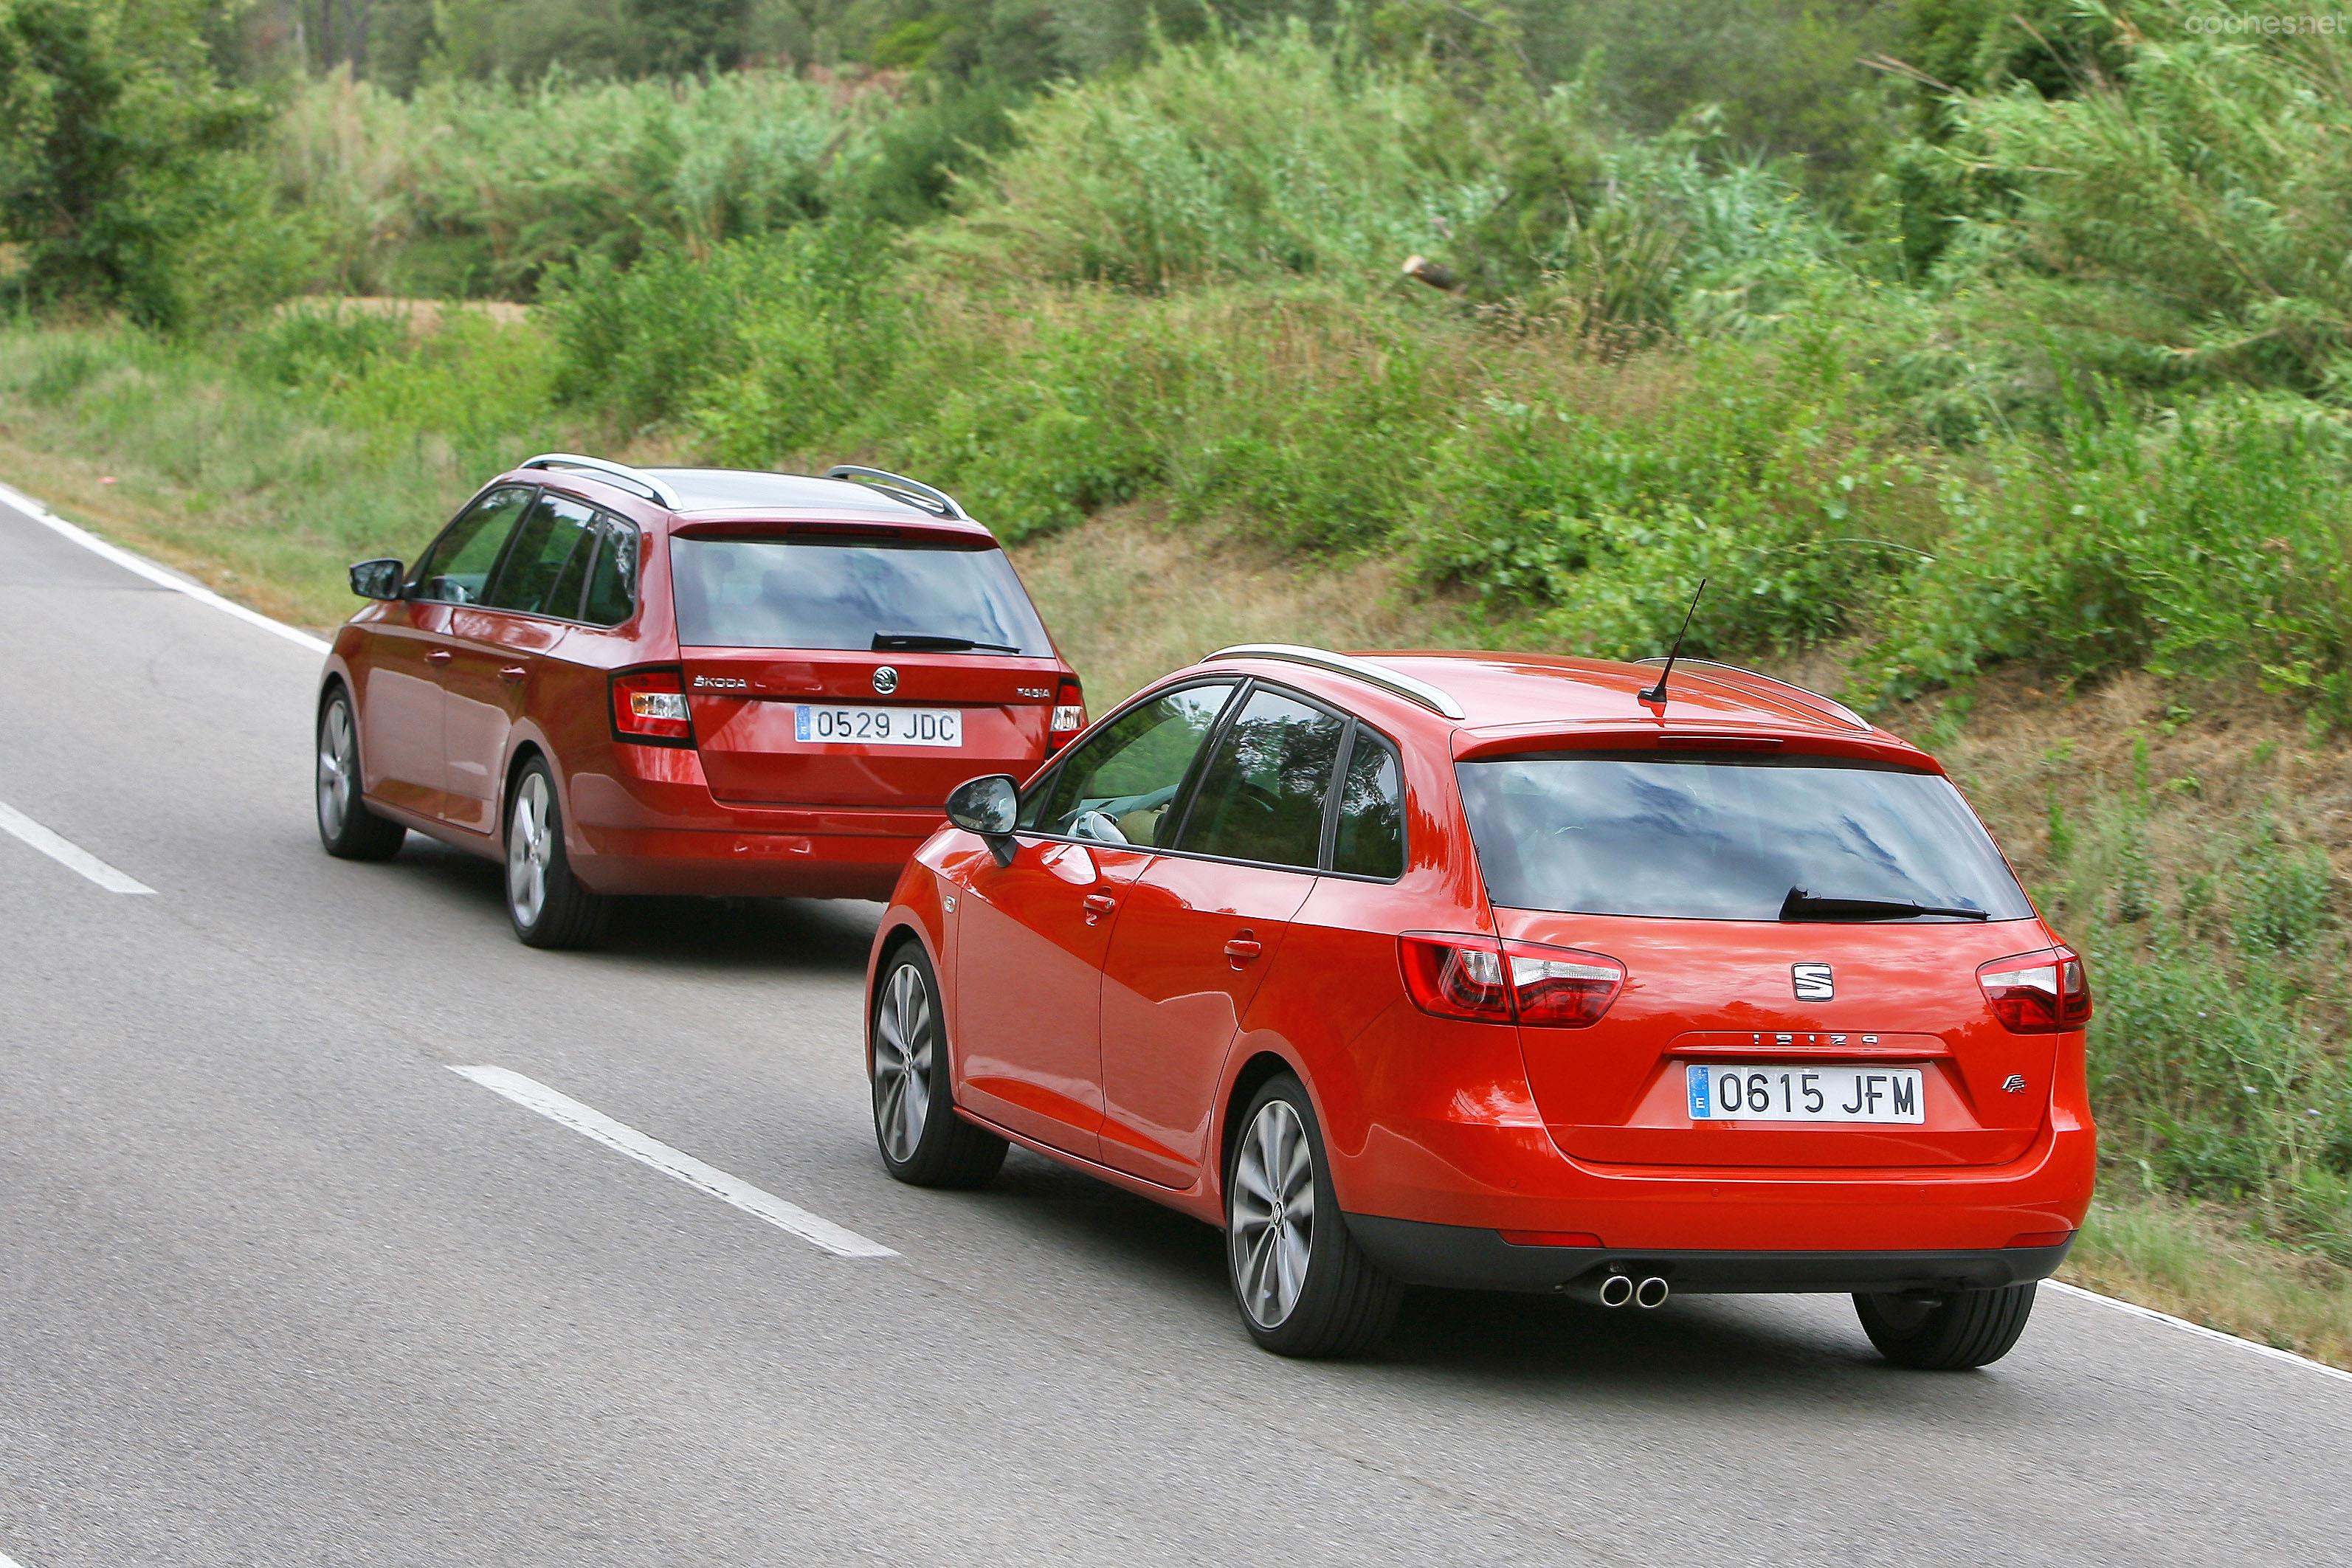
x=1656, y=695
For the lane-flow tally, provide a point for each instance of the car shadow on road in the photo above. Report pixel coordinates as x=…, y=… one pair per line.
x=717, y=935
x=1772, y=1354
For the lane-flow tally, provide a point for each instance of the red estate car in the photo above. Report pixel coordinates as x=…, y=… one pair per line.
x=1504, y=972
x=683, y=681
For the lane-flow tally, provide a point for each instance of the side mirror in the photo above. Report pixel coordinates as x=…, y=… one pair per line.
x=376, y=579
x=988, y=806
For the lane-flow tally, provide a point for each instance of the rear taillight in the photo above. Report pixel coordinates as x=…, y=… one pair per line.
x=1069, y=714
x=1507, y=982
x=649, y=705
x=2038, y=993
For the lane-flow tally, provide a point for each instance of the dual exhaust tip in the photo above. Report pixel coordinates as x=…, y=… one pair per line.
x=1648, y=1293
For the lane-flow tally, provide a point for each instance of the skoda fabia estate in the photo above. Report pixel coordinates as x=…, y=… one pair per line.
x=682, y=681
x=1507, y=973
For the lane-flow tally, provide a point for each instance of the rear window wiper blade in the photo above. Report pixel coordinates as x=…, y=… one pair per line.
x=934, y=642
x=1803, y=905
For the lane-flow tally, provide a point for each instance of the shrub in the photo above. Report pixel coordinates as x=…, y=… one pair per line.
x=2208, y=541
x=124, y=174
x=1225, y=160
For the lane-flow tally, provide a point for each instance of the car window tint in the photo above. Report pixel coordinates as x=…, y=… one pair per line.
x=613, y=588
x=1726, y=838
x=456, y=568
x=554, y=533
x=1369, y=839
x=1262, y=798
x=1119, y=784
x=812, y=591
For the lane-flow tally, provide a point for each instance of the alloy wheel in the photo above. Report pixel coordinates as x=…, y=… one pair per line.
x=903, y=1035
x=338, y=767
x=531, y=840
x=1271, y=1231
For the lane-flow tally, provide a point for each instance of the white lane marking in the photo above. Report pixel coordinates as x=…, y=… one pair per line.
x=8, y=1561
x=813, y=1229
x=71, y=856
x=2257, y=1346
x=152, y=573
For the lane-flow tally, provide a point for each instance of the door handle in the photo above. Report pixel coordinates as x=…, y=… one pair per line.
x=1241, y=949
x=439, y=656
x=514, y=674
x=1099, y=904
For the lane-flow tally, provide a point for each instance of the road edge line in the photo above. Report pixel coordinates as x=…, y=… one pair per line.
x=141, y=566
x=676, y=1163
x=2168, y=1321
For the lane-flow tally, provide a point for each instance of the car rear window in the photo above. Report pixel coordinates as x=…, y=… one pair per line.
x=1707, y=837
x=821, y=592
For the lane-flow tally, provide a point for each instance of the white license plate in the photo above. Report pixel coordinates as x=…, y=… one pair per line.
x=843, y=724
x=1787, y=1093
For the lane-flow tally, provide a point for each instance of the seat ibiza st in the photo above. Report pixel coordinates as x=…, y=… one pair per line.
x=1509, y=972
x=682, y=681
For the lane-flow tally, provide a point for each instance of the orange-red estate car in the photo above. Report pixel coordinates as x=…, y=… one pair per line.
x=1504, y=972
x=682, y=681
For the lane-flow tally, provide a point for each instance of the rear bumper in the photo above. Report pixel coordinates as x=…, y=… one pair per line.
x=747, y=864
x=650, y=825
x=1417, y=1252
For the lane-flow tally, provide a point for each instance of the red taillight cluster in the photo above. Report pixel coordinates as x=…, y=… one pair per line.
x=2038, y=993
x=649, y=707
x=1069, y=714
x=1508, y=981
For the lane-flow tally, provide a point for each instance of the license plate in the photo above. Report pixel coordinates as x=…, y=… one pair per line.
x=1747, y=1092
x=841, y=723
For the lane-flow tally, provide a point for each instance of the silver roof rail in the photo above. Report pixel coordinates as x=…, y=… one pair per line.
x=1834, y=708
x=1364, y=669
x=915, y=490
x=620, y=473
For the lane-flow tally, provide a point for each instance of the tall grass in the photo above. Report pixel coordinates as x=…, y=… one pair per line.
x=479, y=188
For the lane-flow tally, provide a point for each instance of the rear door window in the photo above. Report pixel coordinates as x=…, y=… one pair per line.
x=1264, y=795
x=1727, y=837
x=1121, y=784
x=1368, y=840
x=458, y=568
x=538, y=575
x=827, y=592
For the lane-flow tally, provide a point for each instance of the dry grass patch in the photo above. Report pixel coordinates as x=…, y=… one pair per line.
x=2195, y=1263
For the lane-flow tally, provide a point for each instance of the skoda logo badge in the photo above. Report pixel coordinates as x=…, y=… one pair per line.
x=1812, y=982
x=886, y=680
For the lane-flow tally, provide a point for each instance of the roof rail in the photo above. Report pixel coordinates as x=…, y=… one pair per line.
x=619, y=474
x=1830, y=705
x=1364, y=669
x=915, y=490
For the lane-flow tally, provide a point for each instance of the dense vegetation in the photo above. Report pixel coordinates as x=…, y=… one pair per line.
x=2028, y=345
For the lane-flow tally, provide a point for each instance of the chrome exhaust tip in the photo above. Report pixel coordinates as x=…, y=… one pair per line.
x=1616, y=1291
x=1651, y=1293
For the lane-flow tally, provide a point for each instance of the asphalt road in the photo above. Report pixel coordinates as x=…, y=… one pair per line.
x=277, y=1287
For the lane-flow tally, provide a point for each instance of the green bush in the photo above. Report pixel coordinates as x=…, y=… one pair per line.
x=1225, y=160
x=126, y=175
x=2212, y=542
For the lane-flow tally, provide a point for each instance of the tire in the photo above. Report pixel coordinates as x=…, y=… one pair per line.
x=346, y=827
x=922, y=1140
x=545, y=902
x=1949, y=1333
x=1303, y=1287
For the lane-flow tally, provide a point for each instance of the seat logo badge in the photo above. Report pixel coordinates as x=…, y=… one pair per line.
x=720, y=684
x=886, y=680
x=2014, y=1084
x=1812, y=982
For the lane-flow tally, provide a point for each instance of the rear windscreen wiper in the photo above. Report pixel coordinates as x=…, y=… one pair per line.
x=933, y=643
x=1803, y=905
